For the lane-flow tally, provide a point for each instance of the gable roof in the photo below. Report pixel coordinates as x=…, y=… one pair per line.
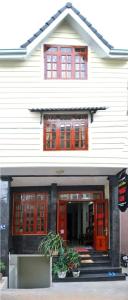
x=68, y=5
x=82, y=26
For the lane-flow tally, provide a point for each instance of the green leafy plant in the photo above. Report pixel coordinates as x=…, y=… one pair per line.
x=51, y=244
x=72, y=259
x=60, y=265
x=2, y=266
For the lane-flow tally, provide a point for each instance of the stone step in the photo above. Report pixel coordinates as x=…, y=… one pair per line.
x=93, y=277
x=99, y=269
x=93, y=263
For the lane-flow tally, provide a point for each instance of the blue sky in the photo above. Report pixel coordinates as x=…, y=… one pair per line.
x=19, y=19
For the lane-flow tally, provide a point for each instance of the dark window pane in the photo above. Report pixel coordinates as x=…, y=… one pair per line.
x=76, y=143
x=52, y=49
x=62, y=144
x=68, y=145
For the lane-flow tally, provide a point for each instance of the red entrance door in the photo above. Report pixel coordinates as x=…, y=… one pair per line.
x=62, y=219
x=101, y=225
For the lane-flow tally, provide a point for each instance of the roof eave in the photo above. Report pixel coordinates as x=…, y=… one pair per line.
x=14, y=54
x=118, y=54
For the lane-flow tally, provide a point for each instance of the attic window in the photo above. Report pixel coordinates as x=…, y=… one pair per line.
x=65, y=62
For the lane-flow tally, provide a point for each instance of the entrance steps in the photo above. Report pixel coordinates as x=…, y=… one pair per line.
x=95, y=266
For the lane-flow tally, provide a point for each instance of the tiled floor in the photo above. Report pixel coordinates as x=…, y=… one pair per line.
x=117, y=290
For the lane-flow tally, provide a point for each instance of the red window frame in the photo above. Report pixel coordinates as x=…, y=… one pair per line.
x=65, y=62
x=30, y=212
x=65, y=132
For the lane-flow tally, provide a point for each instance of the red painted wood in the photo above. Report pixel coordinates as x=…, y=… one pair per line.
x=62, y=219
x=101, y=225
x=25, y=214
x=50, y=51
x=55, y=139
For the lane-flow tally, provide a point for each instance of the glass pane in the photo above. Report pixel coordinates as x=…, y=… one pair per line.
x=49, y=58
x=68, y=75
x=63, y=75
x=54, y=58
x=68, y=144
x=48, y=140
x=77, y=75
x=54, y=66
x=54, y=74
x=82, y=59
x=69, y=58
x=77, y=66
x=62, y=135
x=80, y=49
x=66, y=49
x=74, y=196
x=52, y=49
x=48, y=74
x=76, y=143
x=41, y=196
x=63, y=66
x=96, y=196
x=77, y=59
x=18, y=197
x=64, y=196
x=49, y=66
x=63, y=58
x=62, y=127
x=68, y=127
x=82, y=75
x=53, y=143
x=83, y=67
x=62, y=144
x=68, y=66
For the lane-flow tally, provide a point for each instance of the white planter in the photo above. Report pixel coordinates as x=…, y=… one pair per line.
x=62, y=274
x=76, y=274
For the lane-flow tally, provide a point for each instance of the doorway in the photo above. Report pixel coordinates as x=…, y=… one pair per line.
x=84, y=223
x=80, y=223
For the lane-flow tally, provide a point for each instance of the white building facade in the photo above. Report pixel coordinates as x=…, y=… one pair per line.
x=63, y=136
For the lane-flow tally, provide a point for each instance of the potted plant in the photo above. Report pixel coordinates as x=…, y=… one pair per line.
x=51, y=244
x=73, y=262
x=59, y=267
x=2, y=269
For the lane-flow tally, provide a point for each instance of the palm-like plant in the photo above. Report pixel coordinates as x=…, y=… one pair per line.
x=2, y=266
x=51, y=244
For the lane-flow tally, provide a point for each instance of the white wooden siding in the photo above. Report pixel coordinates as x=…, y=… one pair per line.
x=22, y=86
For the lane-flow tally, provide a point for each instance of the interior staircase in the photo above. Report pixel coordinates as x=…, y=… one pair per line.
x=95, y=266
